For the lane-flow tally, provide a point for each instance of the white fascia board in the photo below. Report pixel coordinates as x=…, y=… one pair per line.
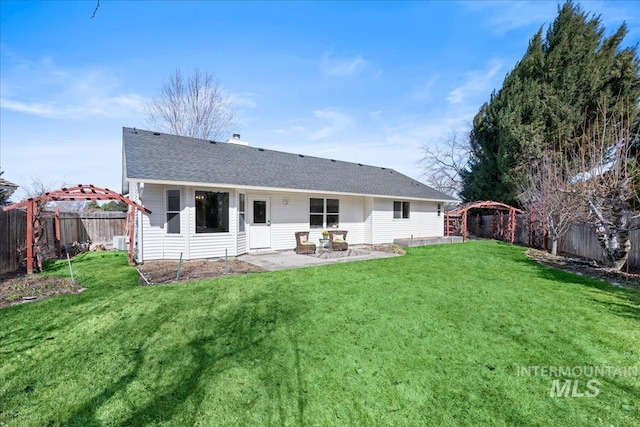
x=280, y=189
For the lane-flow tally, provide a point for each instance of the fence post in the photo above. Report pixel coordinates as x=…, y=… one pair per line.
x=56, y=233
x=131, y=229
x=30, y=206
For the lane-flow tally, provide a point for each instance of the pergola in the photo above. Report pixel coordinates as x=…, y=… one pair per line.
x=72, y=194
x=459, y=217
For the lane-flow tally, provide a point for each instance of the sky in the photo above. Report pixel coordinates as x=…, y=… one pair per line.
x=366, y=82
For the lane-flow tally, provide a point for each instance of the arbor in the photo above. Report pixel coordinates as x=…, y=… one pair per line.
x=546, y=100
x=194, y=106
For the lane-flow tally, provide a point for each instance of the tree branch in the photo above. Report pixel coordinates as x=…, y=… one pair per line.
x=96, y=9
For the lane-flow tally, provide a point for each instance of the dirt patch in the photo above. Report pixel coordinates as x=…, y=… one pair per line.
x=158, y=272
x=584, y=267
x=21, y=288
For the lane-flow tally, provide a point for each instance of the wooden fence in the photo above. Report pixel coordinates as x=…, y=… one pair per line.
x=13, y=230
x=97, y=227
x=580, y=240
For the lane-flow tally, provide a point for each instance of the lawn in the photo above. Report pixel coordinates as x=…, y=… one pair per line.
x=437, y=337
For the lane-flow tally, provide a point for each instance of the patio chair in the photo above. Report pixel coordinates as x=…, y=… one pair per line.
x=303, y=245
x=338, y=240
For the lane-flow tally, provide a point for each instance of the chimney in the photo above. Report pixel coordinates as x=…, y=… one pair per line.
x=236, y=140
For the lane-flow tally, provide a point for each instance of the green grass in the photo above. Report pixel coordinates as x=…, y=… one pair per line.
x=432, y=338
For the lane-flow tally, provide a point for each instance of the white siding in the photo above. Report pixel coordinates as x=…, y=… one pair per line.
x=153, y=224
x=242, y=243
x=290, y=213
x=367, y=219
x=160, y=245
x=352, y=211
x=212, y=245
x=423, y=221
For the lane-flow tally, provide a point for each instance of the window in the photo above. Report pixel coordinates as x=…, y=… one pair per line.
x=260, y=212
x=241, y=212
x=439, y=209
x=401, y=210
x=212, y=212
x=173, y=211
x=316, y=213
x=324, y=213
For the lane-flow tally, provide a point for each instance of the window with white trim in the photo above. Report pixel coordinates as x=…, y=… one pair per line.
x=212, y=212
x=401, y=210
x=324, y=213
x=173, y=211
x=241, y=212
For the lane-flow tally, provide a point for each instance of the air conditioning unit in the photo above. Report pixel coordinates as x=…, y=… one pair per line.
x=120, y=243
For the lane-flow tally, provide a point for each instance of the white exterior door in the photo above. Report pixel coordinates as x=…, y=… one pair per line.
x=259, y=222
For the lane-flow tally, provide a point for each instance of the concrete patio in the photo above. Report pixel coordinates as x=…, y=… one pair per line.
x=285, y=260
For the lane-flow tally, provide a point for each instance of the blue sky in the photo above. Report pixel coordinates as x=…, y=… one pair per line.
x=368, y=82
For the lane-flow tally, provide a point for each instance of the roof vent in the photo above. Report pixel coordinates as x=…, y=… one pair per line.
x=213, y=142
x=360, y=164
x=157, y=133
x=300, y=155
x=260, y=149
x=384, y=169
x=333, y=160
x=235, y=139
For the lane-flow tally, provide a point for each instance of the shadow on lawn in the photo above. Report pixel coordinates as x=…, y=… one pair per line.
x=285, y=386
x=239, y=335
x=627, y=303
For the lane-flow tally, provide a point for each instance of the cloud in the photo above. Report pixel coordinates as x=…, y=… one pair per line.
x=332, y=66
x=424, y=91
x=415, y=131
x=476, y=82
x=95, y=106
x=244, y=99
x=332, y=122
x=376, y=115
x=31, y=108
x=502, y=19
x=325, y=123
x=46, y=90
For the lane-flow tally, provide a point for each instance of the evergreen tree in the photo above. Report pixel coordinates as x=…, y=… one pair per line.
x=549, y=100
x=4, y=195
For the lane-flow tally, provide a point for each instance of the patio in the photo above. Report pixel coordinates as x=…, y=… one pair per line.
x=284, y=260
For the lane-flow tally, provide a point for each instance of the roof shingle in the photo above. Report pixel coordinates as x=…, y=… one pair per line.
x=157, y=156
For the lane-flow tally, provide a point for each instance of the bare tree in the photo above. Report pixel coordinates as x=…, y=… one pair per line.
x=37, y=188
x=606, y=179
x=548, y=195
x=444, y=163
x=96, y=9
x=193, y=106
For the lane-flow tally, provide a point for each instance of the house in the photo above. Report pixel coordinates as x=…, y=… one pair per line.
x=6, y=190
x=210, y=198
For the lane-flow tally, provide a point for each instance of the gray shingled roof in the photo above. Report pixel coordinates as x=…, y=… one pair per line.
x=155, y=156
x=4, y=183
